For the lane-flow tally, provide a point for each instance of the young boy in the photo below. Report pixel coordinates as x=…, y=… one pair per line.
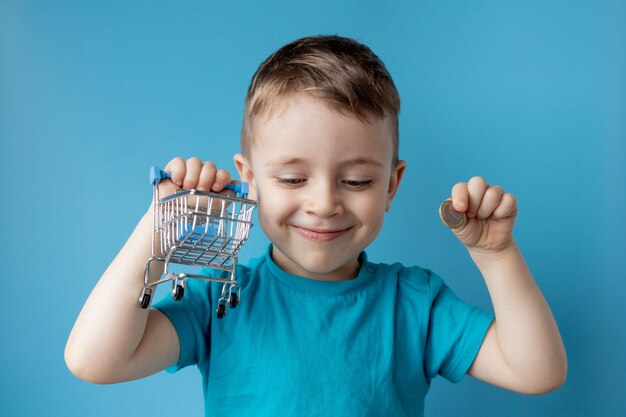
x=321, y=330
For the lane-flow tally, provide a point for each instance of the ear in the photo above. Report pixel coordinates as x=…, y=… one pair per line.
x=394, y=182
x=244, y=168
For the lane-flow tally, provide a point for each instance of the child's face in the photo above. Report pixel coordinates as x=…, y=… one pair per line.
x=323, y=181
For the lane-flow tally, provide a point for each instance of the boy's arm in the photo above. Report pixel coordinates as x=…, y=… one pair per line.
x=113, y=339
x=522, y=350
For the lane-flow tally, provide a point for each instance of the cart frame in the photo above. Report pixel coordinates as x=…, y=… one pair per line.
x=200, y=229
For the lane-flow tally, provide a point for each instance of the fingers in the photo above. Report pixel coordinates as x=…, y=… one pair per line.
x=177, y=168
x=490, y=201
x=207, y=176
x=460, y=197
x=476, y=187
x=193, y=173
x=222, y=179
x=466, y=197
x=507, y=207
x=480, y=200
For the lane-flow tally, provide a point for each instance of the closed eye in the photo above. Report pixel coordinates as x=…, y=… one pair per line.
x=290, y=181
x=358, y=184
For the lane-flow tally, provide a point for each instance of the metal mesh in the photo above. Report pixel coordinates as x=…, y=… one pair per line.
x=208, y=232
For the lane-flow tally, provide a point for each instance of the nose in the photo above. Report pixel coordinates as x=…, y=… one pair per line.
x=323, y=200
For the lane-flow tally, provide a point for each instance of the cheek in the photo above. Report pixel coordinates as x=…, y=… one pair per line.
x=376, y=217
x=273, y=209
x=264, y=211
x=370, y=209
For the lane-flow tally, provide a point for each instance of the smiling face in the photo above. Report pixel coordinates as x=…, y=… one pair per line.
x=323, y=181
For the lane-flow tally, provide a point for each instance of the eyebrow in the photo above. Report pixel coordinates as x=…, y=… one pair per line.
x=289, y=161
x=353, y=161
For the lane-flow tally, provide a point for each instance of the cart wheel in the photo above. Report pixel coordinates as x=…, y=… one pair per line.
x=221, y=311
x=178, y=291
x=144, y=301
x=234, y=300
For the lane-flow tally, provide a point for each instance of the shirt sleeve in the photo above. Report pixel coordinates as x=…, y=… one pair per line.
x=191, y=317
x=455, y=333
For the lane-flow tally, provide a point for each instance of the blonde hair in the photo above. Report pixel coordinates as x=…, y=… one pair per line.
x=341, y=72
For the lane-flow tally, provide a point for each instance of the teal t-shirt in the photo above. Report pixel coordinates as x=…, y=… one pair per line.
x=300, y=347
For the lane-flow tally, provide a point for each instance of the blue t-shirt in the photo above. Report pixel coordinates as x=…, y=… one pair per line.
x=300, y=347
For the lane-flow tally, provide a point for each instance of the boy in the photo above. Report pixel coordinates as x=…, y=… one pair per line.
x=322, y=331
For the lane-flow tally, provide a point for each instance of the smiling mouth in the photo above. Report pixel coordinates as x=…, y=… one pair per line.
x=319, y=235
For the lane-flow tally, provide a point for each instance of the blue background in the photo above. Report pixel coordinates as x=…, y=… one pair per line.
x=531, y=95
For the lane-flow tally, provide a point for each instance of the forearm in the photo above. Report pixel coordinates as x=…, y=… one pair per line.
x=527, y=333
x=111, y=324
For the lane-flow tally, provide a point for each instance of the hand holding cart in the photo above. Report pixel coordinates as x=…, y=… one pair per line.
x=200, y=229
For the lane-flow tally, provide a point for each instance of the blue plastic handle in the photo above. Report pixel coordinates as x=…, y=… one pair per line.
x=157, y=174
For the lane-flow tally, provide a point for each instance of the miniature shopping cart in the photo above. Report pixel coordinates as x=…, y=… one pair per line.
x=199, y=229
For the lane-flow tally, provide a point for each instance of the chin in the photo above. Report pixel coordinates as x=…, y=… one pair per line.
x=324, y=263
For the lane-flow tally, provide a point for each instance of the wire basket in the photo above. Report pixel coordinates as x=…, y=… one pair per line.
x=200, y=229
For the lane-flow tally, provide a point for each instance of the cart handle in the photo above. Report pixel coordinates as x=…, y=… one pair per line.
x=157, y=174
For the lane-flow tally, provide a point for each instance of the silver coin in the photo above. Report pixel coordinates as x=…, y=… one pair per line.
x=450, y=217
